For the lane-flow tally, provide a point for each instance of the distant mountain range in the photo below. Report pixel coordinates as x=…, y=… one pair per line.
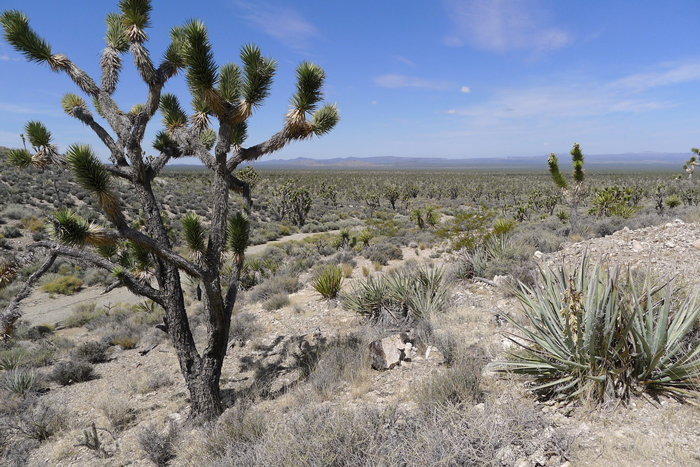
x=640, y=162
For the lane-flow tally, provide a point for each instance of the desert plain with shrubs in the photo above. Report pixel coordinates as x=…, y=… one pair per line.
x=158, y=314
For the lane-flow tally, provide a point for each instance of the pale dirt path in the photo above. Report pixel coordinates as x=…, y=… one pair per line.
x=40, y=308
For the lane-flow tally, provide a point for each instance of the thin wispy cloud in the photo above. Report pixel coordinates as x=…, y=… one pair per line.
x=21, y=109
x=403, y=81
x=630, y=94
x=502, y=26
x=465, y=90
x=405, y=61
x=284, y=24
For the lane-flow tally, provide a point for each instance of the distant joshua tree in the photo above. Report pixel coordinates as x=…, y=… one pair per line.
x=142, y=258
x=572, y=193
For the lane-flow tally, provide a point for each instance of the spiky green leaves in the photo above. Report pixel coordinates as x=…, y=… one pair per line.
x=325, y=119
x=115, y=36
x=208, y=138
x=19, y=158
x=239, y=133
x=163, y=141
x=40, y=138
x=174, y=52
x=73, y=230
x=173, y=115
x=22, y=38
x=194, y=235
x=136, y=109
x=92, y=175
x=37, y=134
x=74, y=105
x=230, y=82
x=201, y=68
x=309, y=92
x=577, y=158
x=136, y=17
x=259, y=72
x=557, y=176
x=237, y=236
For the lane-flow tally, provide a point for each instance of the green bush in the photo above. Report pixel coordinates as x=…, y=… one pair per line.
x=71, y=372
x=328, y=281
x=19, y=381
x=91, y=352
x=277, y=301
x=82, y=314
x=65, y=285
x=594, y=334
x=402, y=295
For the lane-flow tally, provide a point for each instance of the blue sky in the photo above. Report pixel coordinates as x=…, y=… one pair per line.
x=456, y=79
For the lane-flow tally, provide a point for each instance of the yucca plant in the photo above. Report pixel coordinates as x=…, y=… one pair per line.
x=591, y=333
x=328, y=281
x=404, y=295
x=19, y=380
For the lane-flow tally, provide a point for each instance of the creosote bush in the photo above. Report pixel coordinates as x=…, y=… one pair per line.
x=71, y=372
x=65, y=285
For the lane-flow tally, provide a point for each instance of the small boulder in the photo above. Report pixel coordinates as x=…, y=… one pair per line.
x=388, y=352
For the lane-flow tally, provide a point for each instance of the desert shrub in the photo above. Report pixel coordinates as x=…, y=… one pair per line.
x=275, y=302
x=72, y=371
x=36, y=420
x=96, y=276
x=499, y=434
x=541, y=239
x=244, y=327
x=20, y=381
x=457, y=385
x=382, y=253
x=276, y=284
x=328, y=281
x=240, y=426
x=593, y=333
x=126, y=340
x=29, y=356
x=118, y=411
x=159, y=448
x=83, y=314
x=17, y=212
x=12, y=358
x=343, y=360
x=91, y=352
x=347, y=270
x=65, y=285
x=150, y=382
x=11, y=231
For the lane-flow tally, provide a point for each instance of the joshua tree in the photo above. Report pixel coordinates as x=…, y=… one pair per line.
x=226, y=96
x=574, y=193
x=689, y=167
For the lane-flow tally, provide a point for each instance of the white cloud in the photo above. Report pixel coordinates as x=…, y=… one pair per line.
x=284, y=24
x=21, y=109
x=374, y=102
x=405, y=61
x=403, y=81
x=501, y=26
x=465, y=89
x=630, y=94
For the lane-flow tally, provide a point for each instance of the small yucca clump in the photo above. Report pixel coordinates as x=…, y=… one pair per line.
x=328, y=281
